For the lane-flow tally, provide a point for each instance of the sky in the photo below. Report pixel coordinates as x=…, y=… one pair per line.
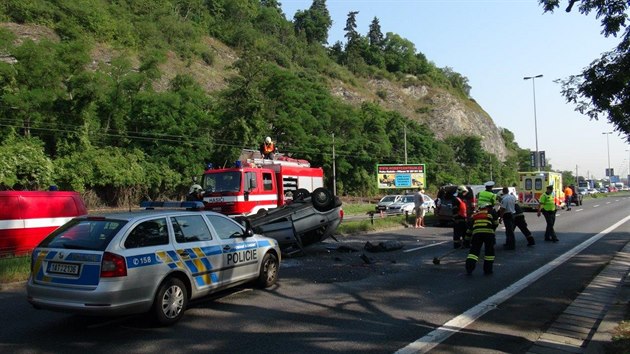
x=495, y=44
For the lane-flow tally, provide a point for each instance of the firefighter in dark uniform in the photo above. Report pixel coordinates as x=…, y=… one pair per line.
x=484, y=224
x=460, y=216
x=519, y=221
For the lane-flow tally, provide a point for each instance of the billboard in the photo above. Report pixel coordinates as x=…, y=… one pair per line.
x=401, y=176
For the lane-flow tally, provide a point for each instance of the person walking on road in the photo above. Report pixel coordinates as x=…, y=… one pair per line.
x=460, y=216
x=568, y=196
x=484, y=224
x=521, y=223
x=507, y=211
x=418, y=203
x=547, y=205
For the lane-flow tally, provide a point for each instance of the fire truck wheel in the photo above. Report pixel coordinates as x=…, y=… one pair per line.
x=322, y=199
x=300, y=194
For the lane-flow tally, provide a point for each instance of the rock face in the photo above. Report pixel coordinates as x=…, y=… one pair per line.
x=445, y=114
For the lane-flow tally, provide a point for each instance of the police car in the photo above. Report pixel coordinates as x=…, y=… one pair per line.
x=147, y=261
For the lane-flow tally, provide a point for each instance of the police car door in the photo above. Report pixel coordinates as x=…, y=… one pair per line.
x=241, y=256
x=199, y=252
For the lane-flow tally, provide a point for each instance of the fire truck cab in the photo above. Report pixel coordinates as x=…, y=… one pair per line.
x=534, y=184
x=256, y=185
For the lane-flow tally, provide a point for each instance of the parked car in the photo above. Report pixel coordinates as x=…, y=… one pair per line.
x=444, y=203
x=407, y=205
x=583, y=191
x=592, y=191
x=147, y=261
x=382, y=204
x=309, y=218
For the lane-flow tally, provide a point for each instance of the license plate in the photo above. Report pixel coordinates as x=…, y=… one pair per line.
x=63, y=268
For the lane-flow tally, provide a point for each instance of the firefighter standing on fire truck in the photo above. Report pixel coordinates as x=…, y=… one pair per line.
x=268, y=148
x=484, y=224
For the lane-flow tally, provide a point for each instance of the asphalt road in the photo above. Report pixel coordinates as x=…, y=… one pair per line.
x=332, y=300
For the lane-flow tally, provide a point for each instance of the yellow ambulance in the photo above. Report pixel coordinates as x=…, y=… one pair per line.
x=534, y=184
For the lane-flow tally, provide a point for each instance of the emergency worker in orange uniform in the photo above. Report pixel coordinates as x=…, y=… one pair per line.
x=460, y=216
x=568, y=196
x=268, y=148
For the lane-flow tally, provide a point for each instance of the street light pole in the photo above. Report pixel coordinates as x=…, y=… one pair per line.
x=608, y=147
x=536, y=157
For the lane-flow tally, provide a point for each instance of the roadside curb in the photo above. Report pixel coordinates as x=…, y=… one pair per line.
x=12, y=286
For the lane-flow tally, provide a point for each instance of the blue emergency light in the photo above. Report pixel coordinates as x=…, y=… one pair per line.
x=168, y=204
x=238, y=164
x=209, y=166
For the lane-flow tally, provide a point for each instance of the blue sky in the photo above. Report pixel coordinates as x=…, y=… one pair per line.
x=495, y=43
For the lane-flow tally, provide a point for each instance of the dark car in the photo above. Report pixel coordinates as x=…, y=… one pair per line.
x=309, y=218
x=444, y=203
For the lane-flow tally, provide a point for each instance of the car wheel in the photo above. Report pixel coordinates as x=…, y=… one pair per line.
x=322, y=199
x=268, y=271
x=170, y=302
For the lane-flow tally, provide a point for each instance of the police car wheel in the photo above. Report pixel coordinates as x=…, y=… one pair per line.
x=268, y=271
x=170, y=302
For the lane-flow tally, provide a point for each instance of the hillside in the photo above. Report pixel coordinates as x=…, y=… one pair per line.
x=163, y=91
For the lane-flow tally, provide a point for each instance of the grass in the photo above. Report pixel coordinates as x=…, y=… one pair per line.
x=620, y=339
x=14, y=269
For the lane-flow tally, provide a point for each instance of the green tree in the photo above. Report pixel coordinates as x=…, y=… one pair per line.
x=24, y=164
x=602, y=90
x=314, y=23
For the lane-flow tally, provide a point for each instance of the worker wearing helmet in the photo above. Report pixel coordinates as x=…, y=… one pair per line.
x=460, y=215
x=486, y=196
x=484, y=224
x=268, y=148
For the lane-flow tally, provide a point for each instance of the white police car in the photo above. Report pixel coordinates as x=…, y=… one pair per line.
x=146, y=261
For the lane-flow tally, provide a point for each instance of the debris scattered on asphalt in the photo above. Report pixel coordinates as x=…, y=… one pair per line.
x=384, y=246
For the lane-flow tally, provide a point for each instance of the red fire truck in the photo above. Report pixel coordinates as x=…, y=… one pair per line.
x=256, y=185
x=26, y=217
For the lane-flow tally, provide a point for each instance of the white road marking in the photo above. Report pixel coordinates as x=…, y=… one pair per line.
x=437, y=336
x=425, y=246
x=595, y=206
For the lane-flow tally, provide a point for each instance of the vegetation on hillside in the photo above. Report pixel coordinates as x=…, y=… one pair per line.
x=103, y=126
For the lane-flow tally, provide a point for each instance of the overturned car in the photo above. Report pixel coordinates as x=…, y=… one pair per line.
x=308, y=219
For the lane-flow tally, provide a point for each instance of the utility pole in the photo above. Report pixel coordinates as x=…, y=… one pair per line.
x=334, y=169
x=405, y=134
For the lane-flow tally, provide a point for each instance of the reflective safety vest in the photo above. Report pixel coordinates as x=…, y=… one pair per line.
x=268, y=148
x=487, y=197
x=484, y=222
x=547, y=202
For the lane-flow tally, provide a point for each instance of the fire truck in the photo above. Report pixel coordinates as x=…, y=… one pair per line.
x=534, y=184
x=255, y=185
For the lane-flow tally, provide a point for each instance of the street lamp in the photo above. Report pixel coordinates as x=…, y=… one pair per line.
x=536, y=157
x=608, y=146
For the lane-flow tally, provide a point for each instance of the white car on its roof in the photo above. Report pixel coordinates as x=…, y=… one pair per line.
x=146, y=261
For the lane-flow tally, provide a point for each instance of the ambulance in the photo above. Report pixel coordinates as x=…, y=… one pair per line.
x=534, y=184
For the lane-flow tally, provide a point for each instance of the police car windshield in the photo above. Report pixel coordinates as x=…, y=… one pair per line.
x=84, y=234
x=222, y=182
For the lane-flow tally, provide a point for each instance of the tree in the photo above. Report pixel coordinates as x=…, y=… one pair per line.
x=314, y=23
x=375, y=35
x=602, y=89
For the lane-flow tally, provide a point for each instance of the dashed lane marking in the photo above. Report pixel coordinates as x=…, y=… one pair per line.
x=425, y=246
x=437, y=336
